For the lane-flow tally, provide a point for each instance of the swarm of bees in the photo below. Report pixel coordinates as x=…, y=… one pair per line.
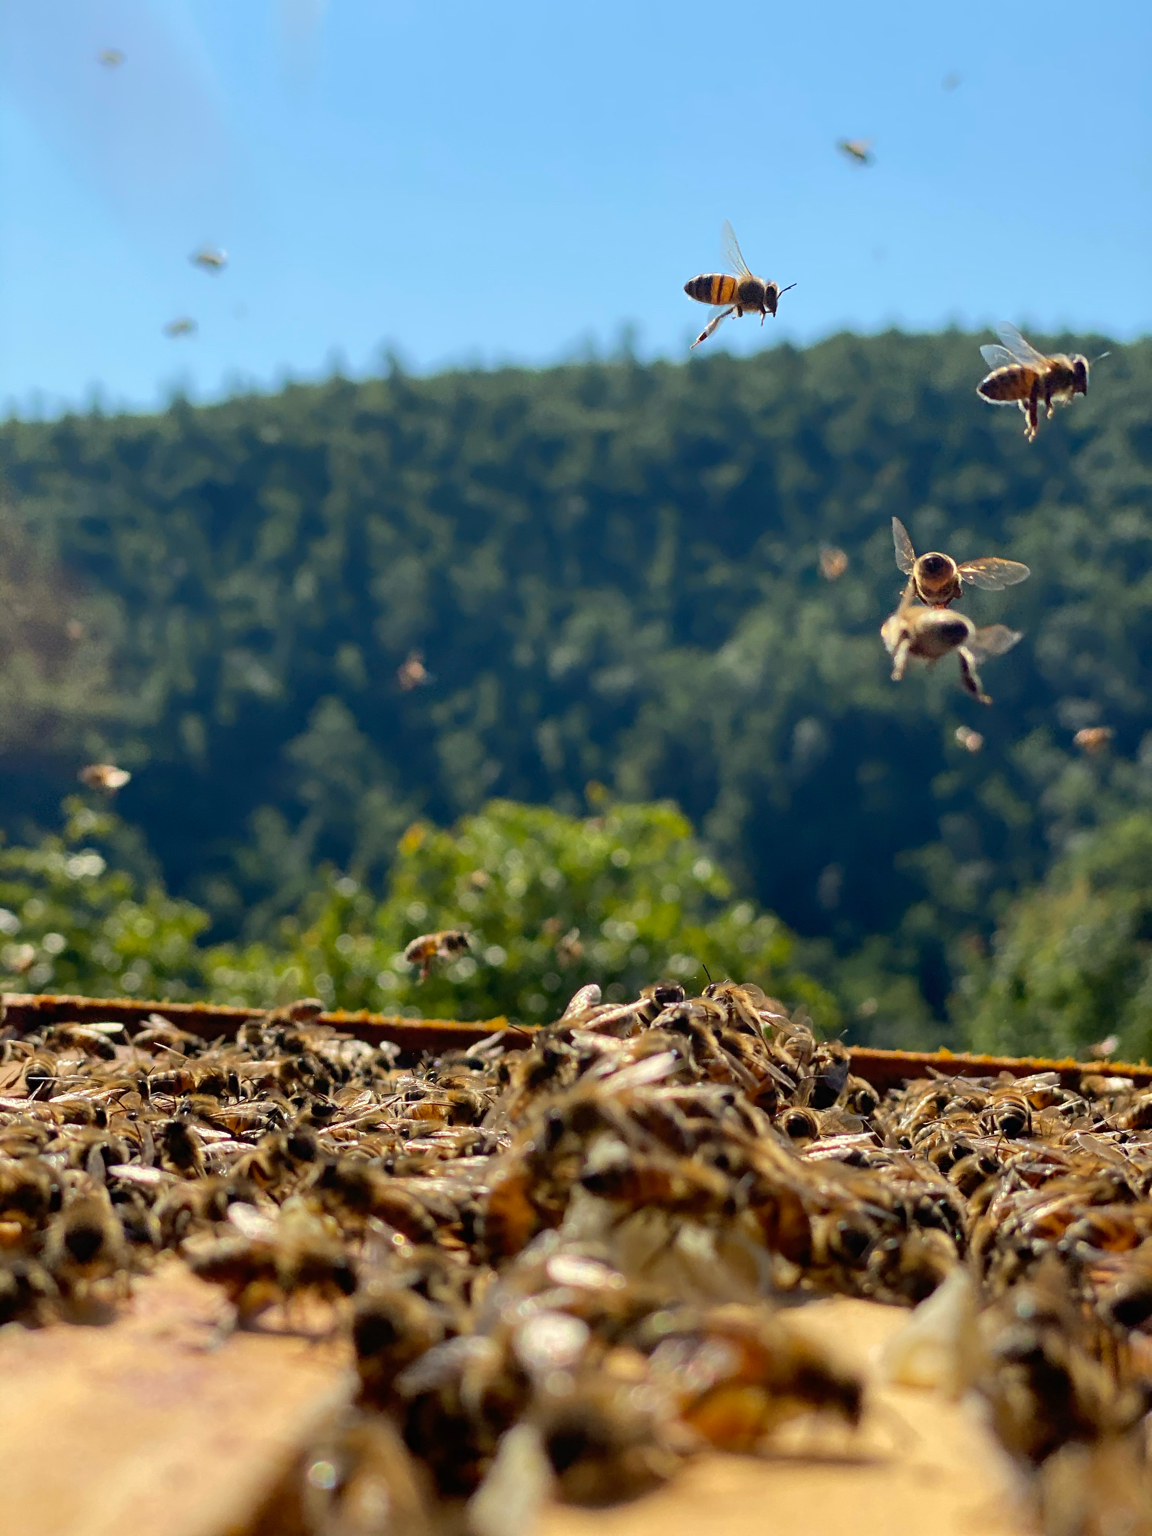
x=561, y=1255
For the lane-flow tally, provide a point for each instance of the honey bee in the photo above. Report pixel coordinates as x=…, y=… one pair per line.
x=1093, y=738
x=430, y=947
x=412, y=673
x=209, y=259
x=183, y=325
x=271, y=1261
x=1020, y=375
x=927, y=634
x=104, y=776
x=741, y=294
x=857, y=150
x=84, y=1243
x=970, y=740
x=833, y=562
x=937, y=580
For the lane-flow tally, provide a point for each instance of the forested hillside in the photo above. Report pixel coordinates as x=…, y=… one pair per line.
x=611, y=570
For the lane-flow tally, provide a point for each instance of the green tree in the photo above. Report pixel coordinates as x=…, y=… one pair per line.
x=552, y=902
x=1071, y=963
x=69, y=923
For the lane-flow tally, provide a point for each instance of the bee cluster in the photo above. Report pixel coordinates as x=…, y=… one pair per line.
x=567, y=1260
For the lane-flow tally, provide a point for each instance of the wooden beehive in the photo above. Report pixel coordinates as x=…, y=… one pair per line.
x=151, y=1426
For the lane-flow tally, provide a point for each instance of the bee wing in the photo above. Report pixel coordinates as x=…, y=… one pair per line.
x=1022, y=351
x=905, y=554
x=993, y=641
x=992, y=573
x=997, y=357
x=732, y=251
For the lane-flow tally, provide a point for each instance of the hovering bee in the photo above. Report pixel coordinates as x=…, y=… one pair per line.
x=430, y=947
x=184, y=325
x=1093, y=738
x=209, y=259
x=833, y=562
x=741, y=294
x=104, y=776
x=929, y=633
x=970, y=740
x=857, y=150
x=937, y=580
x=111, y=58
x=1023, y=376
x=412, y=673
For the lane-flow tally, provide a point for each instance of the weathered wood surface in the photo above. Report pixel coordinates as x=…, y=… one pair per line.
x=152, y=1427
x=883, y=1069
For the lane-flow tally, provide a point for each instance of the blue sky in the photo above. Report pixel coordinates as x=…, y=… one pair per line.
x=476, y=183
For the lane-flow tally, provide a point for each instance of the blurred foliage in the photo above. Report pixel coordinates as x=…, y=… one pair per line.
x=611, y=570
x=550, y=902
x=69, y=923
x=1072, y=963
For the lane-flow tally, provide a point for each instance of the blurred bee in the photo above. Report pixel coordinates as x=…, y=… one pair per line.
x=183, y=326
x=274, y=1260
x=413, y=673
x=857, y=150
x=1093, y=738
x=104, y=776
x=430, y=947
x=950, y=81
x=209, y=259
x=742, y=294
x=970, y=740
x=937, y=580
x=18, y=958
x=1020, y=375
x=84, y=1243
x=833, y=562
x=927, y=634
x=111, y=58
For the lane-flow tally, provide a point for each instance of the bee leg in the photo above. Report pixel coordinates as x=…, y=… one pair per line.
x=710, y=327
x=899, y=660
x=970, y=678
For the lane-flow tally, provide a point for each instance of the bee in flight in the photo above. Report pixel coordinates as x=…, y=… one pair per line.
x=859, y=150
x=412, y=673
x=1093, y=738
x=104, y=776
x=970, y=740
x=111, y=58
x=1023, y=376
x=744, y=294
x=209, y=259
x=937, y=580
x=927, y=634
x=184, y=326
x=833, y=562
x=430, y=947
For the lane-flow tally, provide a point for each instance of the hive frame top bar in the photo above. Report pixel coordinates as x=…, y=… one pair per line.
x=27, y=1011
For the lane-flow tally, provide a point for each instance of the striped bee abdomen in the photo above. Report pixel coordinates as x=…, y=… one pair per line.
x=712, y=288
x=1007, y=384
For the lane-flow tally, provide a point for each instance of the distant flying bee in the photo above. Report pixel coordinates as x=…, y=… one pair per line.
x=430, y=947
x=183, y=326
x=927, y=634
x=950, y=81
x=111, y=58
x=742, y=294
x=1093, y=738
x=833, y=562
x=937, y=580
x=858, y=150
x=209, y=259
x=413, y=673
x=104, y=776
x=970, y=740
x=1023, y=376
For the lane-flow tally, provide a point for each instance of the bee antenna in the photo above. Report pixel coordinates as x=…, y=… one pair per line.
x=707, y=972
x=792, y=285
x=1100, y=356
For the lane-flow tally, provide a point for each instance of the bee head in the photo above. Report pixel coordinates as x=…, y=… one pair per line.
x=934, y=567
x=1080, y=374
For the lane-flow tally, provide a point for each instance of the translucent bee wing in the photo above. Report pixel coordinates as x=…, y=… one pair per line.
x=997, y=357
x=993, y=641
x=905, y=554
x=732, y=251
x=992, y=573
x=1022, y=351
